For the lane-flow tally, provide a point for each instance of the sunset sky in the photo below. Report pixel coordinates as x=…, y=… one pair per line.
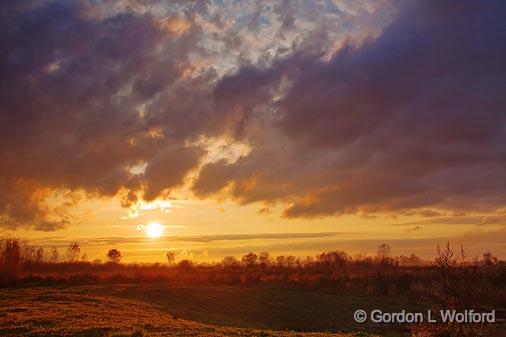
x=288, y=126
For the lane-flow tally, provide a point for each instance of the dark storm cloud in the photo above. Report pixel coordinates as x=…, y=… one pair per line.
x=414, y=118
x=410, y=120
x=168, y=168
x=85, y=97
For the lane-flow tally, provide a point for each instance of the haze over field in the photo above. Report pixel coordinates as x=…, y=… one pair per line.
x=215, y=128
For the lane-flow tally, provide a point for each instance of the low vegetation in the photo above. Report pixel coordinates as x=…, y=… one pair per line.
x=451, y=281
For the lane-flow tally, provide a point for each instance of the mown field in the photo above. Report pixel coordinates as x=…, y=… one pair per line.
x=133, y=310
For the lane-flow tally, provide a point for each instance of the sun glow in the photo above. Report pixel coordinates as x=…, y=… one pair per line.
x=154, y=230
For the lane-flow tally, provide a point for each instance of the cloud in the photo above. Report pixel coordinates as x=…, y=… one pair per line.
x=235, y=237
x=104, y=241
x=461, y=220
x=168, y=168
x=344, y=107
x=299, y=244
x=414, y=229
x=86, y=96
x=426, y=213
x=90, y=90
x=411, y=119
x=494, y=219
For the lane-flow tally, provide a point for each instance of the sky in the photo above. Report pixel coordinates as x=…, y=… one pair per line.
x=287, y=126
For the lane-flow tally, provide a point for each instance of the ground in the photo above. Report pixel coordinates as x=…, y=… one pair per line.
x=87, y=311
x=157, y=309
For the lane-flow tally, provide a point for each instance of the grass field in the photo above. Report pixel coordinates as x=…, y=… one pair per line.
x=127, y=310
x=161, y=309
x=257, y=307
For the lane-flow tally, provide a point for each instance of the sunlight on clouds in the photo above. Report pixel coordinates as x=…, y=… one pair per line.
x=53, y=67
x=216, y=149
x=175, y=25
x=141, y=206
x=156, y=133
x=223, y=148
x=138, y=168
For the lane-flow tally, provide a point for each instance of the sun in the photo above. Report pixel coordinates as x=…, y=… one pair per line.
x=154, y=229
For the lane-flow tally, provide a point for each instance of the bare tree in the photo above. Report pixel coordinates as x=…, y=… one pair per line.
x=114, y=256
x=39, y=255
x=185, y=264
x=10, y=257
x=73, y=252
x=410, y=261
x=265, y=259
x=489, y=259
x=53, y=258
x=456, y=286
x=280, y=261
x=445, y=259
x=309, y=261
x=250, y=259
x=383, y=253
x=171, y=258
x=290, y=261
x=230, y=262
x=27, y=253
x=332, y=260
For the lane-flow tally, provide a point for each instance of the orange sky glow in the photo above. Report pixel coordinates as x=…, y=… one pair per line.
x=214, y=129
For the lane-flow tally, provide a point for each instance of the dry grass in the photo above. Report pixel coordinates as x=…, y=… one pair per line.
x=74, y=311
